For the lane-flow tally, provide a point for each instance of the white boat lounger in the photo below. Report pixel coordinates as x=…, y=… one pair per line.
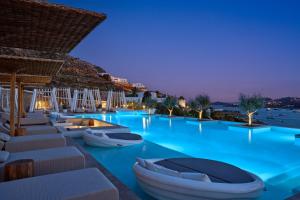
x=195, y=178
x=48, y=161
x=104, y=138
x=34, y=142
x=75, y=127
x=84, y=184
x=76, y=132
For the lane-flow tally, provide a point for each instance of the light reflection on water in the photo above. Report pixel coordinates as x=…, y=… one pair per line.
x=269, y=153
x=250, y=136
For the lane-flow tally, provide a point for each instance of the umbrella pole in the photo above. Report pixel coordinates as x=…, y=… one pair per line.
x=19, y=104
x=12, y=103
x=22, y=100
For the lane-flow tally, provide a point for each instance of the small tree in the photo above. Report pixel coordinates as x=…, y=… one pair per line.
x=150, y=104
x=199, y=104
x=250, y=105
x=170, y=102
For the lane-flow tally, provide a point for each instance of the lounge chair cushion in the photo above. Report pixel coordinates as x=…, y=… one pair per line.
x=162, y=170
x=124, y=136
x=84, y=184
x=3, y=156
x=33, y=142
x=30, y=119
x=39, y=129
x=195, y=176
x=217, y=171
x=48, y=161
x=4, y=137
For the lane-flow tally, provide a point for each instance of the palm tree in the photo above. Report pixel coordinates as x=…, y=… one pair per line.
x=199, y=104
x=250, y=105
x=170, y=102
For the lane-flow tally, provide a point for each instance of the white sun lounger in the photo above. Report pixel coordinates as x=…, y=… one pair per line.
x=40, y=129
x=47, y=161
x=84, y=184
x=34, y=142
x=30, y=119
x=33, y=129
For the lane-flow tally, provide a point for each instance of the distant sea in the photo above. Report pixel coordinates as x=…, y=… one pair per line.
x=274, y=116
x=280, y=117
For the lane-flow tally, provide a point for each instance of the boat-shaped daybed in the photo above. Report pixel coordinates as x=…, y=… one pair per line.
x=75, y=127
x=109, y=138
x=195, y=178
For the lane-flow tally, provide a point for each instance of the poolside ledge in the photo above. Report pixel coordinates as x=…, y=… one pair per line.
x=124, y=192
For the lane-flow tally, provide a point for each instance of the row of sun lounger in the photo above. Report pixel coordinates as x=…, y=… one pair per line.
x=59, y=170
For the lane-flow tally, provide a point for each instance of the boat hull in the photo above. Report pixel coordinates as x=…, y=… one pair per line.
x=164, y=187
x=96, y=141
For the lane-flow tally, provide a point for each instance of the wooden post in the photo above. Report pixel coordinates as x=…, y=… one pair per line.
x=12, y=103
x=19, y=104
x=18, y=169
x=22, y=100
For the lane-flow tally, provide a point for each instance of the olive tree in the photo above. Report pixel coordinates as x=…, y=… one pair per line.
x=150, y=104
x=199, y=104
x=170, y=102
x=250, y=105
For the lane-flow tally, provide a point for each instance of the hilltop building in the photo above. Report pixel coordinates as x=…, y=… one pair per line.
x=139, y=86
x=119, y=80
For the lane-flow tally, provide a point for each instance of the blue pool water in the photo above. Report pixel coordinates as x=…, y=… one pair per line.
x=271, y=153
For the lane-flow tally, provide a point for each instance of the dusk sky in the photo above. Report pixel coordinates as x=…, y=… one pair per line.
x=188, y=47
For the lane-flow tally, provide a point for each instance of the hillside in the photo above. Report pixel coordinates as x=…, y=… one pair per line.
x=285, y=102
x=77, y=73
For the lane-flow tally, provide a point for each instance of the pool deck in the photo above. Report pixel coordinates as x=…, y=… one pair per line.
x=124, y=192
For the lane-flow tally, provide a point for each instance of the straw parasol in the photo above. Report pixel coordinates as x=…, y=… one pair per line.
x=35, y=37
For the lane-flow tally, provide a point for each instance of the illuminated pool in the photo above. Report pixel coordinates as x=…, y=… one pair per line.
x=271, y=153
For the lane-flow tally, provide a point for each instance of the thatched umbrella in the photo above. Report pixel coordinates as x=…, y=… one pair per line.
x=35, y=36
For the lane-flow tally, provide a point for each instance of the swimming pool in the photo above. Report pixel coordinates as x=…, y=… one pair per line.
x=271, y=153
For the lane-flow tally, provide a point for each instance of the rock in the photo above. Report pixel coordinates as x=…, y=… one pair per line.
x=77, y=73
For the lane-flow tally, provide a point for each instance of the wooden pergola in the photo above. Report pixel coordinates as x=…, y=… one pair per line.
x=20, y=71
x=43, y=26
x=34, y=38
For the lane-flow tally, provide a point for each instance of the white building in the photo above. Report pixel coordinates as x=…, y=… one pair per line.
x=119, y=80
x=139, y=85
x=153, y=96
